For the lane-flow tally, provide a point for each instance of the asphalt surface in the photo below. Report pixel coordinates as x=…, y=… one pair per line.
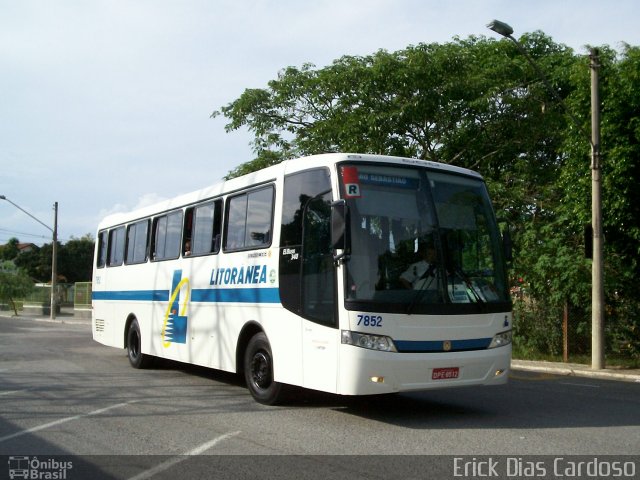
x=555, y=368
x=64, y=397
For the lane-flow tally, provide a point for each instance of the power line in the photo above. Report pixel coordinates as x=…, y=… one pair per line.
x=6, y=235
x=13, y=232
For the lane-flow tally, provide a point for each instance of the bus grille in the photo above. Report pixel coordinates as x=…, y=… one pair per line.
x=99, y=325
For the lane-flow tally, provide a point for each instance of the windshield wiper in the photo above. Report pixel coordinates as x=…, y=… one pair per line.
x=430, y=272
x=470, y=286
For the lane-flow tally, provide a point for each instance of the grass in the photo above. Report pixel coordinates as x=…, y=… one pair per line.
x=611, y=361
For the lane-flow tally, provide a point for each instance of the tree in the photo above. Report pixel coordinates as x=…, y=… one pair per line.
x=30, y=262
x=14, y=284
x=10, y=250
x=475, y=103
x=620, y=150
x=75, y=261
x=37, y=263
x=438, y=102
x=478, y=103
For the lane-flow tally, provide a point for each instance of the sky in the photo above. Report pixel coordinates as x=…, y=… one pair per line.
x=105, y=105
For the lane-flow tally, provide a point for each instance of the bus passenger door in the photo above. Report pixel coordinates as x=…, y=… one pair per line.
x=320, y=335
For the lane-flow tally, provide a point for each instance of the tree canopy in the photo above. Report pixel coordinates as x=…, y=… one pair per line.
x=479, y=104
x=14, y=284
x=75, y=260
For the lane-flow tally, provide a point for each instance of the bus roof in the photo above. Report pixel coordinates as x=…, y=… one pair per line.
x=270, y=173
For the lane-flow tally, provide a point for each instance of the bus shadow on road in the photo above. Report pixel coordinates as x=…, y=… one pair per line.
x=527, y=401
x=550, y=403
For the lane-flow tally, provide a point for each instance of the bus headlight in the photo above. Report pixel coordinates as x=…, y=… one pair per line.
x=501, y=339
x=370, y=342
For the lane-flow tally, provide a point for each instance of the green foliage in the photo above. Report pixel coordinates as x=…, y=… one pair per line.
x=479, y=104
x=9, y=251
x=620, y=147
x=14, y=284
x=75, y=261
x=537, y=329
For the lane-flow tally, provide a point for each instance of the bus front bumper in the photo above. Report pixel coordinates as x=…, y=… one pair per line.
x=368, y=372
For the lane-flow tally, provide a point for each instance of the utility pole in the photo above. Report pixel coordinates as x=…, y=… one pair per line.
x=54, y=262
x=597, y=271
x=54, y=251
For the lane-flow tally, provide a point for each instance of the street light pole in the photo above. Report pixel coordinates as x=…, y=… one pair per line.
x=506, y=31
x=54, y=262
x=597, y=265
x=597, y=271
x=54, y=253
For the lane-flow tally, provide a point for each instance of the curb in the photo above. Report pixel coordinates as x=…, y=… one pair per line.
x=574, y=370
x=70, y=320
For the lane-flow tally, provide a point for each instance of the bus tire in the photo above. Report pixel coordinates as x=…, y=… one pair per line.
x=258, y=371
x=137, y=359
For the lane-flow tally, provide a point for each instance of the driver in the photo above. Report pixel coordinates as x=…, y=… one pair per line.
x=420, y=274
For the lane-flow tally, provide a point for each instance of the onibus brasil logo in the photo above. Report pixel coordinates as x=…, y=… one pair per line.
x=33, y=468
x=174, y=327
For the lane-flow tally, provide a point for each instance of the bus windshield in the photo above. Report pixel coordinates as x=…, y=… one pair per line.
x=422, y=241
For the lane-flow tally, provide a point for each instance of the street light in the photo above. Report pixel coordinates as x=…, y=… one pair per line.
x=597, y=284
x=501, y=28
x=54, y=253
x=506, y=31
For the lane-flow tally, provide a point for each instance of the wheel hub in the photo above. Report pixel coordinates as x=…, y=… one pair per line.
x=261, y=370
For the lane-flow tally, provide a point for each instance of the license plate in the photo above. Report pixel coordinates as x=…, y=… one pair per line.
x=445, y=373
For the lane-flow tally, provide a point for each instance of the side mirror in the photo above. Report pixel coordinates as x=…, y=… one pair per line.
x=340, y=230
x=588, y=241
x=507, y=245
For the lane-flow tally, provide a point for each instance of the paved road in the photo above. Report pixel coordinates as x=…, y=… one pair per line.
x=63, y=394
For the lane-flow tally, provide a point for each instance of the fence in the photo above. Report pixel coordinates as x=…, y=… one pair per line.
x=77, y=295
x=39, y=300
x=82, y=299
x=547, y=331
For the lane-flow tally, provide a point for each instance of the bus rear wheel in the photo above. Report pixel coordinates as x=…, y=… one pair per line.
x=137, y=359
x=258, y=371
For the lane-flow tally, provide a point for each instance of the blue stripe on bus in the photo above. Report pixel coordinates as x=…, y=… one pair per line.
x=133, y=295
x=236, y=295
x=209, y=295
x=438, y=346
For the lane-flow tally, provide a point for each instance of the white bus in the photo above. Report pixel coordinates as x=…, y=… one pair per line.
x=350, y=274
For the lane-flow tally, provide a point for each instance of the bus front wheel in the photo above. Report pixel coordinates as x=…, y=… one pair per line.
x=258, y=371
x=137, y=359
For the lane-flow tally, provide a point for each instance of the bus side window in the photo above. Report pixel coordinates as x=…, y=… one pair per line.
x=236, y=222
x=307, y=264
x=249, y=220
x=187, y=234
x=217, y=226
x=203, y=233
x=101, y=258
x=318, y=276
x=116, y=247
x=137, y=237
x=167, y=232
